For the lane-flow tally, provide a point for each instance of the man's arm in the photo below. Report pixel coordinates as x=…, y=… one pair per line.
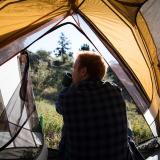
x=59, y=100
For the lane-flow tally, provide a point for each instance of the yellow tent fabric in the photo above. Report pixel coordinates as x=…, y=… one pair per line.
x=127, y=26
x=20, y=17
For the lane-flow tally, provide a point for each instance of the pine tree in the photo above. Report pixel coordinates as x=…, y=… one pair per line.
x=63, y=49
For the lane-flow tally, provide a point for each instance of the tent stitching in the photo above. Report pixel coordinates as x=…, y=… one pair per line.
x=11, y=3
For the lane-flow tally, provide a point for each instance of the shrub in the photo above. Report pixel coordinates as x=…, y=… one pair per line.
x=52, y=123
x=139, y=127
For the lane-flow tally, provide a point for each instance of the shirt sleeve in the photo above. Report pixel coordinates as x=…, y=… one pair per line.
x=62, y=97
x=58, y=103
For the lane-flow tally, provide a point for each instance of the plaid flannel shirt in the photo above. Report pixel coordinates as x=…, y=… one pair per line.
x=95, y=121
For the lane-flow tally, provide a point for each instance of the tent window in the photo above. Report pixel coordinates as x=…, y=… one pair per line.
x=46, y=69
x=19, y=127
x=3, y=116
x=1, y=103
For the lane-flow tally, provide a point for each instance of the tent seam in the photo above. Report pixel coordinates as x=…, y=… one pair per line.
x=137, y=80
x=148, y=49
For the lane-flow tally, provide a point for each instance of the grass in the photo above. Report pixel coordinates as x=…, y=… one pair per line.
x=51, y=123
x=140, y=128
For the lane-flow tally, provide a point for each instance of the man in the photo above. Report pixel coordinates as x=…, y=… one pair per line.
x=94, y=114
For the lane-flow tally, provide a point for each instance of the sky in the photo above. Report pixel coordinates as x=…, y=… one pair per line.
x=50, y=41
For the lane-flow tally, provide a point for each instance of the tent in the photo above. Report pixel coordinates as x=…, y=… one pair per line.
x=20, y=130
x=127, y=28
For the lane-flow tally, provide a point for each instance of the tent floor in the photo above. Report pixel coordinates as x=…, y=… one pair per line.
x=155, y=156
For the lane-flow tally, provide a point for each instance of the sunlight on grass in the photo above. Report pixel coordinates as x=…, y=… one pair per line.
x=140, y=128
x=52, y=123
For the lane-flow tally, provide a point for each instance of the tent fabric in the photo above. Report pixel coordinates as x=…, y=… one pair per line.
x=13, y=48
x=20, y=131
x=21, y=17
x=130, y=27
x=148, y=21
x=127, y=8
x=113, y=26
x=151, y=12
x=130, y=46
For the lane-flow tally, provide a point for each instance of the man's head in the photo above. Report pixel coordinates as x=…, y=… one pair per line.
x=88, y=65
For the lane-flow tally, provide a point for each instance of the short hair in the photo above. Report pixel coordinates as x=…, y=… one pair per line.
x=94, y=64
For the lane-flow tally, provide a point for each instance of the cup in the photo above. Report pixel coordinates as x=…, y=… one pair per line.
x=67, y=79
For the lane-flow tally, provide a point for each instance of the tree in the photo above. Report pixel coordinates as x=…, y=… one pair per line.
x=85, y=47
x=63, y=49
x=40, y=56
x=40, y=63
x=47, y=72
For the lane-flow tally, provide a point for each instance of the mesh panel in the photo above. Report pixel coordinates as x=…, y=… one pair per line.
x=20, y=132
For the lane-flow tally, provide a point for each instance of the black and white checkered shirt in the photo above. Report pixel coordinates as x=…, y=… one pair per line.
x=95, y=121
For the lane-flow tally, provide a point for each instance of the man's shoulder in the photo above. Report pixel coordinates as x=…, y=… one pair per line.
x=70, y=91
x=89, y=87
x=112, y=86
x=97, y=85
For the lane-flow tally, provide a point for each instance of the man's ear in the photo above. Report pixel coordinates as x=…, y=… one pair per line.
x=84, y=72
